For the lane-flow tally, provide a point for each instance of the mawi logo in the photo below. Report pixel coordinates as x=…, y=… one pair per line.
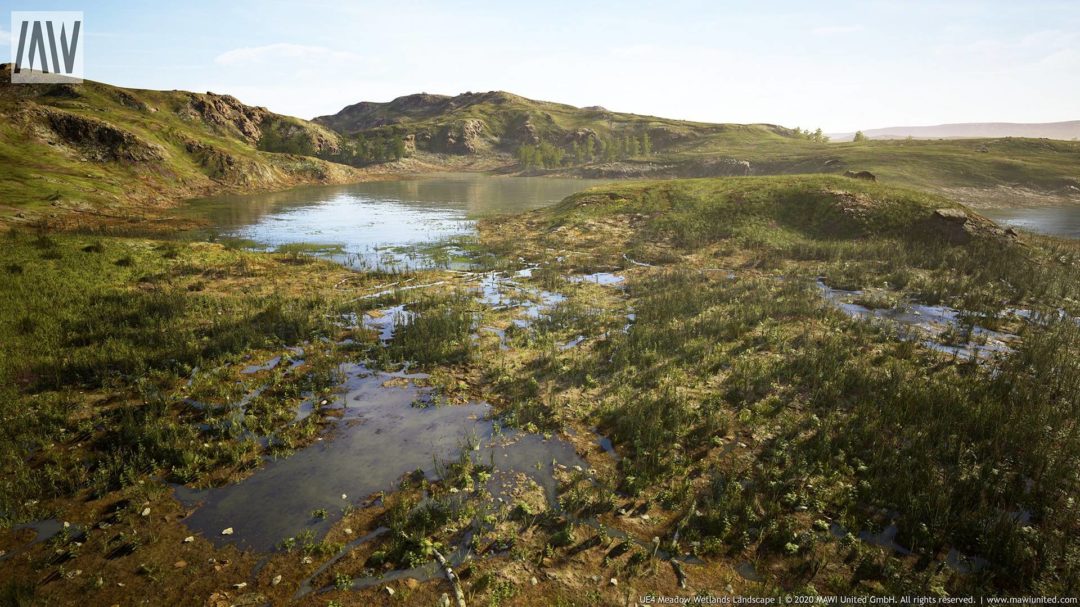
x=46, y=46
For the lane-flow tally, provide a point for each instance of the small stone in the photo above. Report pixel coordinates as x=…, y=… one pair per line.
x=412, y=583
x=189, y=539
x=644, y=517
x=240, y=586
x=66, y=524
x=306, y=560
x=388, y=590
x=444, y=600
x=344, y=497
x=227, y=531
x=146, y=511
x=276, y=580
x=534, y=581
x=348, y=531
x=613, y=582
x=180, y=564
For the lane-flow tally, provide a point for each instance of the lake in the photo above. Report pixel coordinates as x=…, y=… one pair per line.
x=376, y=224
x=1061, y=220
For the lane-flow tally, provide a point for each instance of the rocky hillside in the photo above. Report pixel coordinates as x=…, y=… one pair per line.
x=499, y=122
x=80, y=153
x=500, y=130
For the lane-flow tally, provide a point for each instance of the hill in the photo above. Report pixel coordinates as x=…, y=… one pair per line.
x=499, y=130
x=1066, y=131
x=89, y=152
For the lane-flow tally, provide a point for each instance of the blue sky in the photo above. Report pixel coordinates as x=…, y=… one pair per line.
x=837, y=65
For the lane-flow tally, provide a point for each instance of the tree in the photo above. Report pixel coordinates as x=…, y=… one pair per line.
x=859, y=136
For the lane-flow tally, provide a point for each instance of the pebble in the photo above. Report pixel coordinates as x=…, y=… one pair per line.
x=146, y=511
x=240, y=586
x=348, y=531
x=189, y=539
x=180, y=564
x=306, y=560
x=276, y=580
x=227, y=531
x=389, y=590
x=613, y=582
x=534, y=581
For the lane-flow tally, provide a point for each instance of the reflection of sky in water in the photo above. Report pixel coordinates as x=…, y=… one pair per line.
x=359, y=224
x=1059, y=221
x=362, y=218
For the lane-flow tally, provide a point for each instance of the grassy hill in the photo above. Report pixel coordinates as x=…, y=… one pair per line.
x=594, y=142
x=86, y=152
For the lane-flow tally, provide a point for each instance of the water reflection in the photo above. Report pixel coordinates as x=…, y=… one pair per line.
x=368, y=223
x=1057, y=221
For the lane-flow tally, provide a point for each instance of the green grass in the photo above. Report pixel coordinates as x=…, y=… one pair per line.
x=107, y=342
x=194, y=155
x=769, y=415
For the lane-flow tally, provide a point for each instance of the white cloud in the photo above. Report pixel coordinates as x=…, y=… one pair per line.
x=283, y=51
x=834, y=30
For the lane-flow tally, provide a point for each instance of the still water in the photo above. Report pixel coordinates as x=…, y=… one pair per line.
x=375, y=224
x=1057, y=221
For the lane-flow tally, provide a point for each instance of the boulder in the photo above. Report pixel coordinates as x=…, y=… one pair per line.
x=864, y=175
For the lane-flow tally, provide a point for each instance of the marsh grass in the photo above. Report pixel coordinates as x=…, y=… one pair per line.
x=101, y=360
x=793, y=416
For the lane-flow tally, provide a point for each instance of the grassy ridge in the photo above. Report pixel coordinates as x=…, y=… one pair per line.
x=111, y=153
x=777, y=428
x=495, y=124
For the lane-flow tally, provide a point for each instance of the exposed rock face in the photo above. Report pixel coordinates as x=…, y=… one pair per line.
x=580, y=136
x=864, y=175
x=960, y=227
x=464, y=137
x=98, y=140
x=227, y=113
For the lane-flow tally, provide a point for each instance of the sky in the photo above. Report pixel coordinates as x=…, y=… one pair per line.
x=840, y=66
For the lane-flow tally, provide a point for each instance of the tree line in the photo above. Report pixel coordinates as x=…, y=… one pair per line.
x=546, y=155
x=360, y=150
x=817, y=135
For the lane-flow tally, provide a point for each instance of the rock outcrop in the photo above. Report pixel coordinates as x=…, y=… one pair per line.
x=98, y=140
x=958, y=226
x=864, y=175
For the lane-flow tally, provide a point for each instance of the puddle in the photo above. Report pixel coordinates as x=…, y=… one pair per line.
x=885, y=539
x=573, y=343
x=386, y=320
x=748, y=572
x=380, y=437
x=598, y=278
x=266, y=366
x=927, y=324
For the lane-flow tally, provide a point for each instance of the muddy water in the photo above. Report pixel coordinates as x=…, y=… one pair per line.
x=377, y=224
x=388, y=428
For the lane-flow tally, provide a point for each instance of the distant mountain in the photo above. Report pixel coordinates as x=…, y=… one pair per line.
x=1067, y=131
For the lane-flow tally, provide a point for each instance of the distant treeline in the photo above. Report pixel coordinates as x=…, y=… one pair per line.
x=545, y=155
x=372, y=148
x=360, y=150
